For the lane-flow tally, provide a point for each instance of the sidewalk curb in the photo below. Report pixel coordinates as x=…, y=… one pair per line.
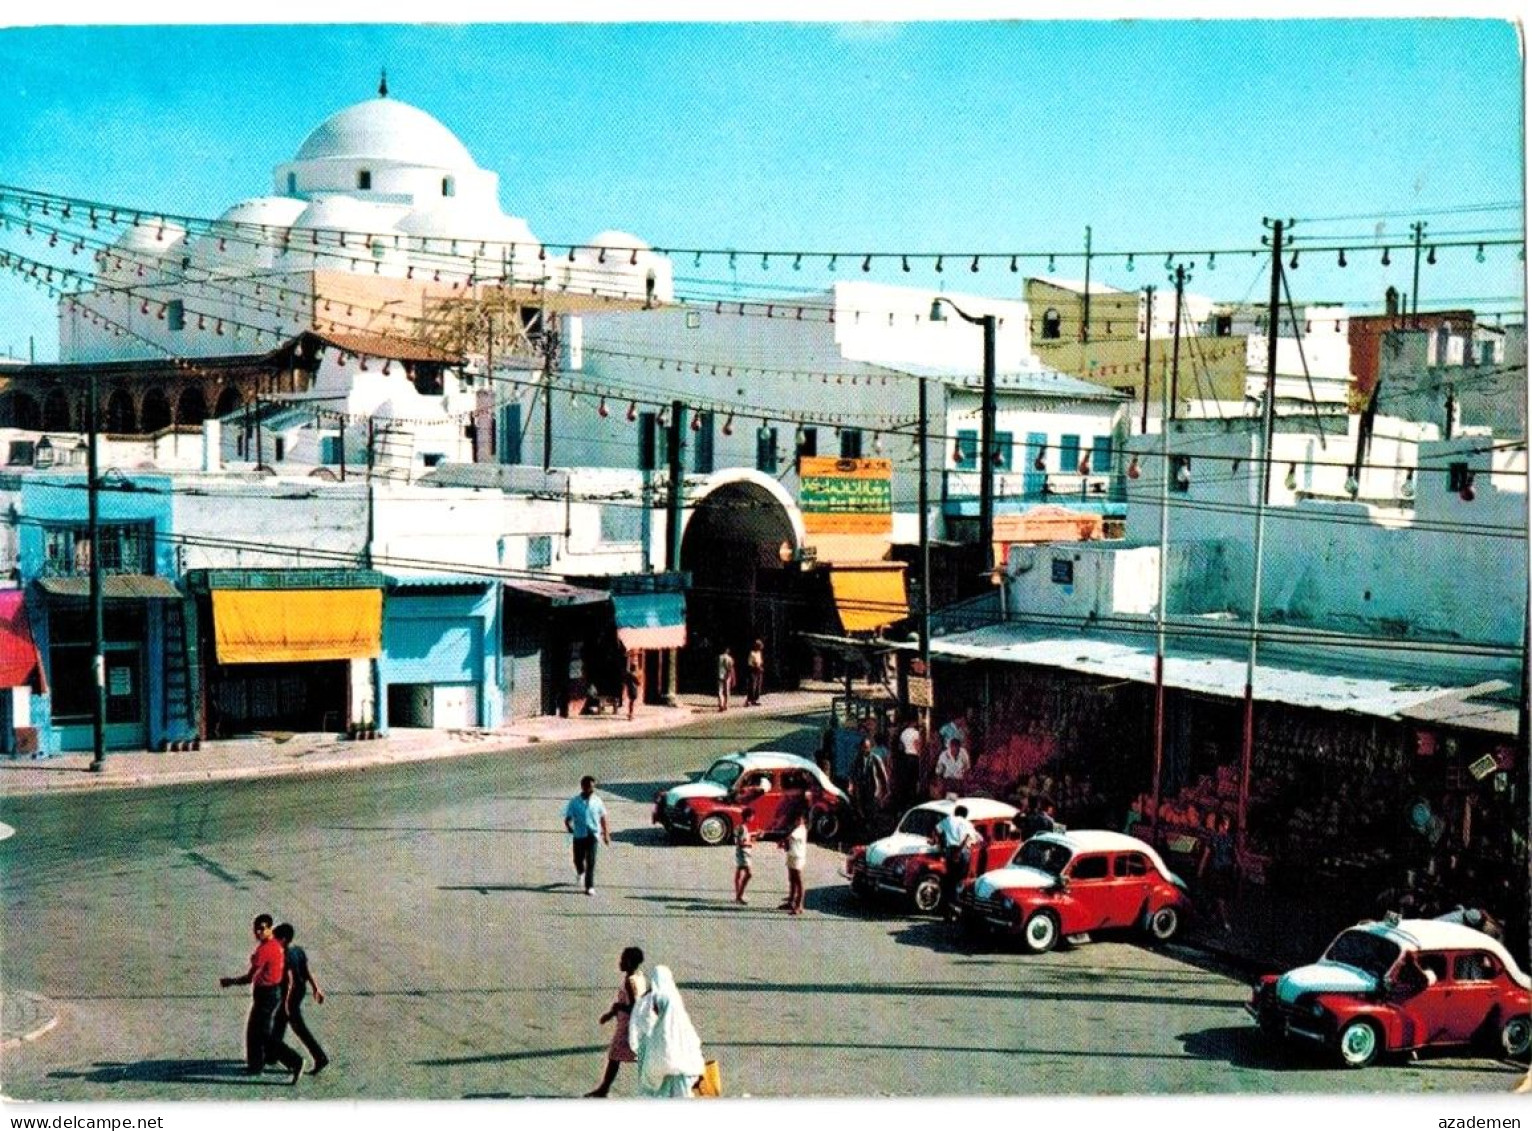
x=329, y=753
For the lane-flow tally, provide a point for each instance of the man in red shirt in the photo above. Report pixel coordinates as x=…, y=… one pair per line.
x=267, y=965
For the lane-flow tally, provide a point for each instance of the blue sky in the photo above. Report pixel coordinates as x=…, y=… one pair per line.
x=963, y=137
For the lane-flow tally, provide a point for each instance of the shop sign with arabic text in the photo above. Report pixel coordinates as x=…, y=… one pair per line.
x=846, y=496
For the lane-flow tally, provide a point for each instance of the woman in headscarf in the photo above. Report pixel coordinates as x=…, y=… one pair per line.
x=669, y=1052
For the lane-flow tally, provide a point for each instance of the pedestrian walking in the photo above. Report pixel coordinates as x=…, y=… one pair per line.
x=296, y=982
x=957, y=838
x=1218, y=870
x=755, y=674
x=796, y=846
x=267, y=968
x=630, y=989
x=744, y=843
x=869, y=782
x=585, y=818
x=725, y=678
x=662, y=1035
x=632, y=684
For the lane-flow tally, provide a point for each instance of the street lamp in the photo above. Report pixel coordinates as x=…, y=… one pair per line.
x=986, y=424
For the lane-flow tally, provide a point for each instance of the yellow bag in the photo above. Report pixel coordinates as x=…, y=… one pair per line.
x=711, y=1082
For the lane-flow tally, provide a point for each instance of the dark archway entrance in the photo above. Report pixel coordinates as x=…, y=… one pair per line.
x=741, y=590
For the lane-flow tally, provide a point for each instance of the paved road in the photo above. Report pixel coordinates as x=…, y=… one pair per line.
x=437, y=906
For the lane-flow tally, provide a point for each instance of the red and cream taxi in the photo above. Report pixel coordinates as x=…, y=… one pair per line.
x=908, y=864
x=1068, y=883
x=1401, y=985
x=775, y=787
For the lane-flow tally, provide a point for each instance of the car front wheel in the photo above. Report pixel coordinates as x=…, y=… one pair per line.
x=714, y=829
x=1359, y=1044
x=927, y=896
x=1516, y=1037
x=1041, y=932
x=1164, y=924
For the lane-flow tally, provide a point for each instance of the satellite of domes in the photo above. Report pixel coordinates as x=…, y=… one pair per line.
x=379, y=194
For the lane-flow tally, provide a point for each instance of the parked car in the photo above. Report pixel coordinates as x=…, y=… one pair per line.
x=908, y=864
x=1400, y=985
x=775, y=787
x=1061, y=884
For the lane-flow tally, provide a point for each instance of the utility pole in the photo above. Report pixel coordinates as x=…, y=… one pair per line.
x=1268, y=411
x=1143, y=426
x=550, y=351
x=924, y=503
x=1180, y=277
x=676, y=431
x=987, y=446
x=1085, y=303
x=97, y=610
x=1419, y=228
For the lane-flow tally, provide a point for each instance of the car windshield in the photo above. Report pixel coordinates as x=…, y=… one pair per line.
x=920, y=822
x=1043, y=855
x=723, y=772
x=1364, y=950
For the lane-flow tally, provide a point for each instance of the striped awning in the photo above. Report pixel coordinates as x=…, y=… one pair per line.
x=650, y=620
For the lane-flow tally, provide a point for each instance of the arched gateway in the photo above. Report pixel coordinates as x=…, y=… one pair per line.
x=740, y=543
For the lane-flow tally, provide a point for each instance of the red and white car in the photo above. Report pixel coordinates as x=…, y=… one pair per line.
x=907, y=864
x=1401, y=985
x=1068, y=883
x=775, y=788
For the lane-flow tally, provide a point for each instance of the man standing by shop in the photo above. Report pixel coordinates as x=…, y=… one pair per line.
x=956, y=836
x=585, y=818
x=265, y=977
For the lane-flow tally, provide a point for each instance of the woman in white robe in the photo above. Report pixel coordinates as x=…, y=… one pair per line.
x=669, y=1051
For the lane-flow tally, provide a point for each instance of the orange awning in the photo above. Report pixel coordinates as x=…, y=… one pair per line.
x=870, y=595
x=263, y=626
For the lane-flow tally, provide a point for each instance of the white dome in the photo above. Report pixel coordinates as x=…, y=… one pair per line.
x=387, y=130
x=272, y=211
x=449, y=221
x=613, y=239
x=346, y=213
x=151, y=235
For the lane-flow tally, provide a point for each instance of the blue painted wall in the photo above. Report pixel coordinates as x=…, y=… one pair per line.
x=439, y=637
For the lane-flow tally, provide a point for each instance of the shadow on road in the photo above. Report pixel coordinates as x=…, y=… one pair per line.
x=558, y=887
x=1245, y=1046
x=230, y=1072
x=512, y=1057
x=646, y=836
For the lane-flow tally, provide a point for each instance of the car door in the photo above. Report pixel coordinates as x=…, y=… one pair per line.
x=1131, y=880
x=1474, y=984
x=765, y=805
x=1426, y=1011
x=1088, y=901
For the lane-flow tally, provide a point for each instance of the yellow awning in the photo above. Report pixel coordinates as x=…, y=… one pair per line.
x=265, y=626
x=869, y=596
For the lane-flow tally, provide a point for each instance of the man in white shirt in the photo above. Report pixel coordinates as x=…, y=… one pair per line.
x=907, y=775
x=952, y=767
x=956, y=836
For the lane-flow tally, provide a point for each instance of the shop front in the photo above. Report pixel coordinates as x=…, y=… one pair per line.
x=143, y=645
x=290, y=649
x=436, y=670
x=547, y=626
x=1362, y=795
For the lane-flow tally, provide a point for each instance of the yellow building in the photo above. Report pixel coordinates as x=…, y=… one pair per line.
x=1212, y=363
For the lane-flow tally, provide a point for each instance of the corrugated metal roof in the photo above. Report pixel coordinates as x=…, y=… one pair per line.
x=1043, y=382
x=399, y=579
x=114, y=586
x=1208, y=675
x=557, y=593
